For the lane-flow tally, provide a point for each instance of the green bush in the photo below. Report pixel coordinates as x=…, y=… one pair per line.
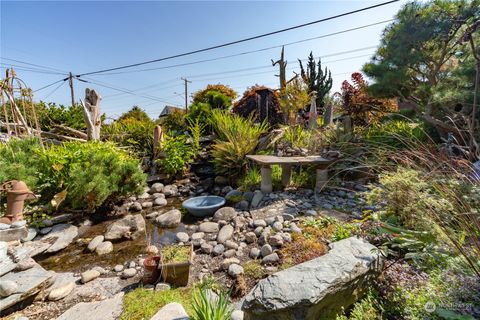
x=91, y=173
x=174, y=123
x=134, y=134
x=177, y=155
x=237, y=138
x=395, y=133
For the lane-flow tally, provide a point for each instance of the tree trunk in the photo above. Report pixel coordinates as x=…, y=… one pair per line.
x=91, y=114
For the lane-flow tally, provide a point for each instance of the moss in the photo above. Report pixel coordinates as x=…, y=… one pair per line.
x=143, y=304
x=174, y=254
x=253, y=270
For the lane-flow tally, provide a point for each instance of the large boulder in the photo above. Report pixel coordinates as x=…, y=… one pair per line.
x=129, y=227
x=225, y=213
x=62, y=235
x=316, y=289
x=108, y=309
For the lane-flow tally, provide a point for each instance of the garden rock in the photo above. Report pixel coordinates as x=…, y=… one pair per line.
x=231, y=244
x=89, y=275
x=242, y=205
x=152, y=215
x=108, y=309
x=147, y=204
x=250, y=237
x=136, y=206
x=318, y=288
x=257, y=198
x=4, y=226
x=206, y=248
x=276, y=240
x=271, y=258
x=162, y=286
x=7, y=288
x=128, y=273
x=198, y=235
x=32, y=233
x=208, y=227
x=104, y=248
x=159, y=202
x=118, y=268
x=169, y=219
x=277, y=226
x=259, y=223
x=218, y=249
x=234, y=270
x=129, y=227
x=93, y=244
x=61, y=291
x=227, y=262
x=254, y=253
x=45, y=230
x=63, y=235
x=156, y=188
x=225, y=213
x=25, y=264
x=229, y=253
x=237, y=315
x=233, y=196
x=172, y=311
x=182, y=237
x=225, y=233
x=266, y=250
x=170, y=190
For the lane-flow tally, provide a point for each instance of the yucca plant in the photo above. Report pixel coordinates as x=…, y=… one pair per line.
x=211, y=308
x=237, y=137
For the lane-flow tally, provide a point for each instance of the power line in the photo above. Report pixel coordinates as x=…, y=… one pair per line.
x=239, y=41
x=22, y=68
x=49, y=85
x=33, y=64
x=49, y=94
x=249, y=52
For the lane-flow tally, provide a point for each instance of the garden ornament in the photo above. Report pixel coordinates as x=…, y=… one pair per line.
x=312, y=115
x=17, y=193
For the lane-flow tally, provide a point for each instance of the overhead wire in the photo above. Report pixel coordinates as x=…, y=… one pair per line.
x=238, y=41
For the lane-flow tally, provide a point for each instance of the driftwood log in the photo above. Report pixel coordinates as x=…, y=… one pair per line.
x=91, y=113
x=70, y=131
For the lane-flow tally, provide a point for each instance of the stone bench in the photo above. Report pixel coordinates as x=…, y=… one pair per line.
x=286, y=163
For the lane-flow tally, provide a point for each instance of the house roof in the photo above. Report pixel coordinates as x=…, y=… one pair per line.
x=169, y=109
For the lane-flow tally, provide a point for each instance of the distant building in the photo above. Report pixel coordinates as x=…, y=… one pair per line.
x=170, y=109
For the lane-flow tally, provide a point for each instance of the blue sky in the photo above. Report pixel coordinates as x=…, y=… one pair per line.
x=92, y=35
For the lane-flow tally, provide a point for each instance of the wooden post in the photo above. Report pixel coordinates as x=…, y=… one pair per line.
x=347, y=125
x=157, y=141
x=312, y=120
x=286, y=174
x=91, y=114
x=266, y=185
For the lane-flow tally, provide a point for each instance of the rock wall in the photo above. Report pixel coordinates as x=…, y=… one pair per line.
x=316, y=289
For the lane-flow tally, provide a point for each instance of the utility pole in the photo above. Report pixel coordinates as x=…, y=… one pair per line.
x=186, y=92
x=70, y=82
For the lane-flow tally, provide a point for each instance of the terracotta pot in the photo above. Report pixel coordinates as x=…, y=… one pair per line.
x=151, y=272
x=17, y=193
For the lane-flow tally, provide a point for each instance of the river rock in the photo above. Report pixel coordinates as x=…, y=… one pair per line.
x=317, y=289
x=7, y=288
x=63, y=235
x=250, y=237
x=231, y=244
x=118, y=268
x=276, y=240
x=208, y=227
x=108, y=309
x=89, y=275
x=218, y=249
x=128, y=273
x=61, y=291
x=259, y=223
x=182, y=237
x=237, y=315
x=32, y=233
x=198, y=235
x=225, y=233
x=93, y=244
x=162, y=286
x=172, y=311
x=254, y=253
x=206, y=248
x=129, y=227
x=234, y=270
x=225, y=213
x=170, y=190
x=156, y=188
x=227, y=262
x=229, y=253
x=257, y=198
x=104, y=248
x=169, y=219
x=160, y=202
x=266, y=250
x=147, y=204
x=271, y=258
x=136, y=206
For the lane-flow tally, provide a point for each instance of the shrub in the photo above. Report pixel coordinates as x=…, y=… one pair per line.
x=251, y=180
x=205, y=95
x=366, y=309
x=395, y=133
x=177, y=155
x=174, y=123
x=237, y=138
x=134, y=134
x=91, y=173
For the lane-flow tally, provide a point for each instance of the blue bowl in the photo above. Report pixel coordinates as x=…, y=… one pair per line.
x=203, y=206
